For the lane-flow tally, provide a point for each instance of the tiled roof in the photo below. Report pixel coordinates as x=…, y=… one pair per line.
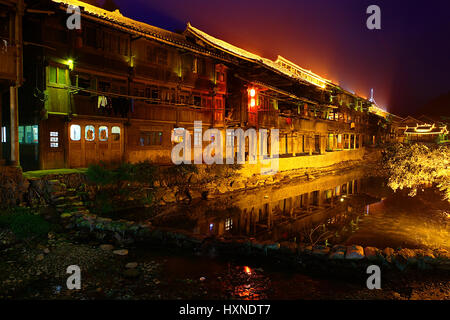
x=427, y=129
x=222, y=45
x=117, y=19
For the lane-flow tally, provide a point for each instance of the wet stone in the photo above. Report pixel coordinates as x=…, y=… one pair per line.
x=320, y=250
x=406, y=255
x=106, y=247
x=121, y=252
x=388, y=254
x=338, y=252
x=131, y=265
x=354, y=253
x=371, y=253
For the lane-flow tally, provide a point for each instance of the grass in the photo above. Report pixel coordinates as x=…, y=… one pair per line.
x=43, y=173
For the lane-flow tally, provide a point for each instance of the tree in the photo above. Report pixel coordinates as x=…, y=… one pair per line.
x=417, y=165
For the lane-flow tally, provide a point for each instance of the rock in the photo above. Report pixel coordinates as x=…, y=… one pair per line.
x=222, y=188
x=338, y=252
x=388, y=254
x=169, y=197
x=46, y=251
x=40, y=257
x=121, y=252
x=131, y=265
x=202, y=279
x=237, y=184
x=271, y=245
x=354, y=253
x=426, y=255
x=320, y=250
x=371, y=253
x=407, y=255
x=287, y=246
x=131, y=273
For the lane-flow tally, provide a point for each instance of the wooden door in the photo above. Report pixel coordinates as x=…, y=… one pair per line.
x=92, y=142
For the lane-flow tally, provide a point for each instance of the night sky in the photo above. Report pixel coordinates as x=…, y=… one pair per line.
x=407, y=62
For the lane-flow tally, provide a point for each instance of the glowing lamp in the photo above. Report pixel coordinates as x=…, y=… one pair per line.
x=70, y=64
x=252, y=93
x=252, y=103
x=248, y=270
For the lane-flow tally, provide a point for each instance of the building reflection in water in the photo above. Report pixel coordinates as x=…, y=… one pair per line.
x=283, y=213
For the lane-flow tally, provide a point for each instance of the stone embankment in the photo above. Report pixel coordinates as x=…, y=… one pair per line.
x=337, y=255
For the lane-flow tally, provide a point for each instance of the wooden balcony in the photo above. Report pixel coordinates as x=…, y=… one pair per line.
x=7, y=62
x=268, y=119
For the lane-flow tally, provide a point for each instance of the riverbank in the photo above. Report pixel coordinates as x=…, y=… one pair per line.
x=37, y=271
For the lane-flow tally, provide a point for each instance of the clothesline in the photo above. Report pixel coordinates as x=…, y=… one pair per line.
x=120, y=95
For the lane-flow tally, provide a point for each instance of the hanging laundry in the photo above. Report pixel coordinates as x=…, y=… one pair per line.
x=102, y=102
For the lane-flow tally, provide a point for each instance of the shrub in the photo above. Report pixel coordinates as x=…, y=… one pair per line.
x=114, y=185
x=24, y=224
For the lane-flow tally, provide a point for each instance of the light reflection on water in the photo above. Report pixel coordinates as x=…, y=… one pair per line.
x=345, y=209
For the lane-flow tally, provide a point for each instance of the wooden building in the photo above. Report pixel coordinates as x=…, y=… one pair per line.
x=117, y=89
x=11, y=12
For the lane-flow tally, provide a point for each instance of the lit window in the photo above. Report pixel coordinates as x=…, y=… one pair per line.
x=115, y=133
x=3, y=134
x=89, y=132
x=35, y=134
x=228, y=224
x=75, y=132
x=57, y=75
x=21, y=134
x=28, y=134
x=103, y=133
x=178, y=134
x=54, y=139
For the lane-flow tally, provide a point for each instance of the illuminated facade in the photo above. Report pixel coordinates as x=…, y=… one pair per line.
x=117, y=89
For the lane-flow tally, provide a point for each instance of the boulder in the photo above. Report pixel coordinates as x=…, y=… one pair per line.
x=406, y=255
x=131, y=265
x=388, y=254
x=169, y=197
x=106, y=247
x=371, y=253
x=121, y=252
x=354, y=253
x=320, y=250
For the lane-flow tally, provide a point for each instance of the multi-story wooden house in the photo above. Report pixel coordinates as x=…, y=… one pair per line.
x=11, y=12
x=117, y=89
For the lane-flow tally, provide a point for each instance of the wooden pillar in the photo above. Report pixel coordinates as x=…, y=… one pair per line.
x=310, y=143
x=1, y=129
x=14, y=111
x=294, y=144
x=322, y=144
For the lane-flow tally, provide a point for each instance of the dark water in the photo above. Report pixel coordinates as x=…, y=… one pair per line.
x=346, y=209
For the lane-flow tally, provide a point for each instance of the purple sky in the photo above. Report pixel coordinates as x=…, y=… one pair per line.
x=407, y=62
